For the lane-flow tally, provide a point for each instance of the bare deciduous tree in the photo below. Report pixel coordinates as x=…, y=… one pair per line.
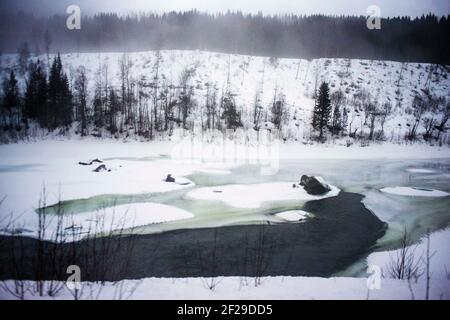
x=404, y=264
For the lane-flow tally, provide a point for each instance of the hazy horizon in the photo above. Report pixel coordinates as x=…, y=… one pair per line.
x=388, y=8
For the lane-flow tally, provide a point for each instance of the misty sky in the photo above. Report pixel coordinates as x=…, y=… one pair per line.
x=348, y=7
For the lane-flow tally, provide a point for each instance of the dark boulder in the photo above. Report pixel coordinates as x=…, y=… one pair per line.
x=101, y=167
x=313, y=186
x=170, y=178
x=82, y=163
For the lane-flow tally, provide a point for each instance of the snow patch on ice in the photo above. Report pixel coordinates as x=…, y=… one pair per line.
x=418, y=170
x=132, y=215
x=293, y=215
x=253, y=195
x=415, y=192
x=120, y=217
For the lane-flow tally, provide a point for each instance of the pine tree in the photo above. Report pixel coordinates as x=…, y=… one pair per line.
x=54, y=94
x=337, y=120
x=322, y=109
x=59, y=96
x=31, y=92
x=98, y=108
x=42, y=99
x=278, y=110
x=23, y=58
x=81, y=93
x=230, y=115
x=36, y=93
x=67, y=103
x=337, y=99
x=114, y=105
x=344, y=122
x=11, y=97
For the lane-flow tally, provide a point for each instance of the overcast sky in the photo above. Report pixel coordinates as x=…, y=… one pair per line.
x=348, y=7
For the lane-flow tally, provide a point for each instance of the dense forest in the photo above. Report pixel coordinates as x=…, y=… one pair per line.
x=421, y=39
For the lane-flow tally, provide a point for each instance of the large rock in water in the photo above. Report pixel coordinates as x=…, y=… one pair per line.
x=88, y=163
x=170, y=178
x=100, y=168
x=313, y=186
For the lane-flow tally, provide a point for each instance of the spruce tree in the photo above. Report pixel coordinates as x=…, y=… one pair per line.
x=344, y=121
x=42, y=98
x=81, y=92
x=23, y=58
x=112, y=112
x=35, y=92
x=322, y=109
x=230, y=115
x=67, y=105
x=98, y=108
x=59, y=96
x=54, y=96
x=336, y=123
x=11, y=96
x=30, y=107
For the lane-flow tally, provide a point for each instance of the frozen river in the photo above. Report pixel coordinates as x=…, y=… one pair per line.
x=256, y=198
x=366, y=177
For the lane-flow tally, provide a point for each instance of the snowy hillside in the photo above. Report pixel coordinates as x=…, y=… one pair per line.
x=259, y=79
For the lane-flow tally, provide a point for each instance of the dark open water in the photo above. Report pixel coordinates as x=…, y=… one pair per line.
x=341, y=231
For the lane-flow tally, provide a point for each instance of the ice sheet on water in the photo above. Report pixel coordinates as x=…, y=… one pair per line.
x=253, y=195
x=414, y=192
x=293, y=215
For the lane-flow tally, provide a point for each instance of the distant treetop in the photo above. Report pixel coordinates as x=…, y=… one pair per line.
x=423, y=39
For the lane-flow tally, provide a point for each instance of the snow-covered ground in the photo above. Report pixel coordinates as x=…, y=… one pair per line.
x=235, y=288
x=278, y=287
x=439, y=261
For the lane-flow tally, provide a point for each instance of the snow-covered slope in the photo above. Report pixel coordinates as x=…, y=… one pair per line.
x=245, y=76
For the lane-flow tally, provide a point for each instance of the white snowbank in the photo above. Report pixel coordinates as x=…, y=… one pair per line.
x=245, y=148
x=120, y=217
x=415, y=192
x=293, y=215
x=419, y=170
x=253, y=195
x=238, y=288
x=129, y=216
x=373, y=152
x=439, y=262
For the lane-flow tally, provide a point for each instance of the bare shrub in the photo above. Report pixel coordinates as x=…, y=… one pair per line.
x=103, y=252
x=404, y=264
x=209, y=265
